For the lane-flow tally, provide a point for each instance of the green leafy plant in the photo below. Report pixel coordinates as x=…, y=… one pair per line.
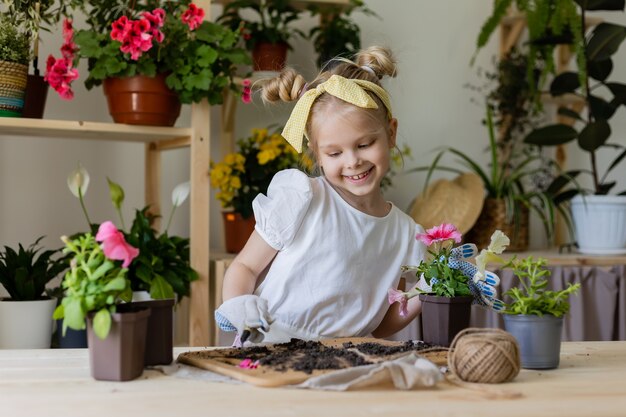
x=531, y=297
x=24, y=273
x=38, y=15
x=94, y=284
x=591, y=131
x=14, y=42
x=337, y=34
x=199, y=59
x=508, y=179
x=274, y=22
x=162, y=266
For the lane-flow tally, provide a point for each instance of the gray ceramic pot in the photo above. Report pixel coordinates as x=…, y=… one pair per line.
x=539, y=339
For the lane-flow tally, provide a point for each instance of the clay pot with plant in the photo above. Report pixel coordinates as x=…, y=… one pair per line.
x=24, y=273
x=534, y=316
x=267, y=36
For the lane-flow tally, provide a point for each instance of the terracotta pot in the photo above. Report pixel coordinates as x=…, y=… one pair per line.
x=443, y=318
x=493, y=217
x=119, y=357
x=36, y=95
x=142, y=100
x=160, y=333
x=237, y=230
x=269, y=56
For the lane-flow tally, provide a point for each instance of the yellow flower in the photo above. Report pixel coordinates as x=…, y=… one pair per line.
x=259, y=135
x=267, y=155
x=231, y=159
x=235, y=183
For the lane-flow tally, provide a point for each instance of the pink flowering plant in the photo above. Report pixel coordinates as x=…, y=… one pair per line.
x=96, y=282
x=445, y=273
x=198, y=57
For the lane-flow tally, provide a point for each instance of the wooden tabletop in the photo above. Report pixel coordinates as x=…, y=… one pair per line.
x=591, y=381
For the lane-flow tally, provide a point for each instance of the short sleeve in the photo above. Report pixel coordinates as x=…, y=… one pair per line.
x=279, y=214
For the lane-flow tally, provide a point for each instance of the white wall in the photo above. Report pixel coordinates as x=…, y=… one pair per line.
x=433, y=42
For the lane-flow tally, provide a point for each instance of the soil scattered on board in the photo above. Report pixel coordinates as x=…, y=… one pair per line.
x=307, y=356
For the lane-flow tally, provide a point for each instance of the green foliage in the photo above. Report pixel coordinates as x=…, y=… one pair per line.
x=444, y=281
x=94, y=284
x=337, y=34
x=162, y=267
x=594, y=130
x=38, y=15
x=24, y=273
x=532, y=298
x=14, y=42
x=273, y=23
x=199, y=64
x=506, y=179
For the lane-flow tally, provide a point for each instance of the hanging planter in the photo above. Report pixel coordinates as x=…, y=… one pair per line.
x=269, y=56
x=142, y=100
x=13, y=79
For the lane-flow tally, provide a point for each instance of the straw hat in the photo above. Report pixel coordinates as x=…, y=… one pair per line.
x=457, y=201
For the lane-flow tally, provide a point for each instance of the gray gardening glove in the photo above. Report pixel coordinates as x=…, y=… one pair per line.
x=247, y=315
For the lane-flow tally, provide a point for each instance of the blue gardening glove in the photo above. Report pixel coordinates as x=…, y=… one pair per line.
x=482, y=288
x=247, y=315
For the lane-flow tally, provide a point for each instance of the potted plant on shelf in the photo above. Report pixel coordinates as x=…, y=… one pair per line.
x=37, y=16
x=160, y=274
x=149, y=58
x=535, y=315
x=241, y=176
x=93, y=288
x=338, y=34
x=597, y=216
x=268, y=35
x=24, y=273
x=14, y=57
x=508, y=195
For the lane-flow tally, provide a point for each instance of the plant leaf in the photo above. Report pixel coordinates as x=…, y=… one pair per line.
x=605, y=41
x=594, y=135
x=102, y=323
x=556, y=134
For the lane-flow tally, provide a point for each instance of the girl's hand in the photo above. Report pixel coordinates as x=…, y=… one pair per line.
x=245, y=313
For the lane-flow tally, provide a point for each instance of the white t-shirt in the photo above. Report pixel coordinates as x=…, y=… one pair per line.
x=335, y=263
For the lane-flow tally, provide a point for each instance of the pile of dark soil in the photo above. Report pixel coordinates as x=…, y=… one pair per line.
x=307, y=356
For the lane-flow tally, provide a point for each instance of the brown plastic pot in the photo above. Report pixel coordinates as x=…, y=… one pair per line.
x=160, y=334
x=269, y=56
x=443, y=318
x=35, y=99
x=237, y=230
x=119, y=357
x=142, y=100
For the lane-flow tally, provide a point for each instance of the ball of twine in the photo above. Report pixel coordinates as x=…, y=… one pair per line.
x=484, y=356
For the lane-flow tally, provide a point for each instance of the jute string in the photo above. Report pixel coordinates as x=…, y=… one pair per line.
x=484, y=356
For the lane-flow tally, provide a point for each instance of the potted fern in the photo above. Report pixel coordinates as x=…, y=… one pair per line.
x=535, y=315
x=24, y=273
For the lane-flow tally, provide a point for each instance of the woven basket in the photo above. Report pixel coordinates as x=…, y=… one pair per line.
x=13, y=79
x=493, y=217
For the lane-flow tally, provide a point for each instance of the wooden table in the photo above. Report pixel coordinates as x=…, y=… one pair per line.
x=591, y=381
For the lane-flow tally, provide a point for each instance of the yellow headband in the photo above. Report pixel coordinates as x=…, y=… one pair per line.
x=346, y=89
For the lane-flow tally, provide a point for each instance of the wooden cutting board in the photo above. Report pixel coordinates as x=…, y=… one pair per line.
x=223, y=362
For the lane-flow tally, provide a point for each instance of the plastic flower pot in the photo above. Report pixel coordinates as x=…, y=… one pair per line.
x=444, y=317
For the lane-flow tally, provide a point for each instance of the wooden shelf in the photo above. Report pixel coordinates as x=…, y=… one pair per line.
x=73, y=129
x=555, y=258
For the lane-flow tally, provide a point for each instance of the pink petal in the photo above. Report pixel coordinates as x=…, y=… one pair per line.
x=396, y=296
x=106, y=231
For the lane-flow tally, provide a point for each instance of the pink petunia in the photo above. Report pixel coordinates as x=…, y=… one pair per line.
x=444, y=231
x=193, y=16
x=114, y=245
x=248, y=364
x=396, y=296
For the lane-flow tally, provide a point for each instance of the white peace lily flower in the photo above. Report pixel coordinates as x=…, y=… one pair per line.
x=180, y=193
x=78, y=180
x=499, y=242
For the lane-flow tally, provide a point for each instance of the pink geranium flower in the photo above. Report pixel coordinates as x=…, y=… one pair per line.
x=193, y=16
x=60, y=74
x=114, y=245
x=246, y=94
x=443, y=232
